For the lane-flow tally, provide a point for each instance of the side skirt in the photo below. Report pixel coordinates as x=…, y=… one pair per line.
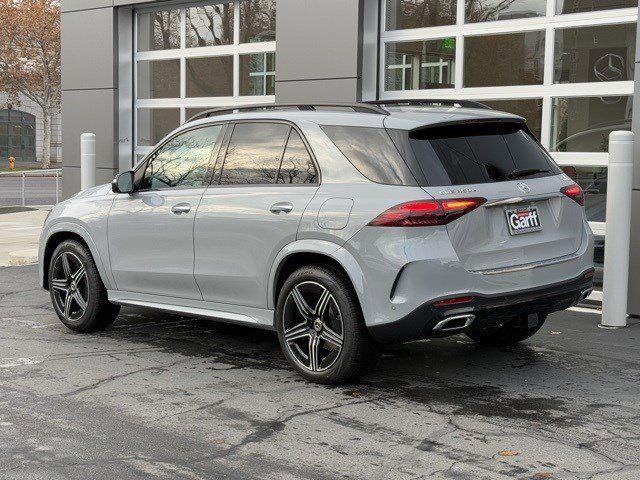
x=251, y=316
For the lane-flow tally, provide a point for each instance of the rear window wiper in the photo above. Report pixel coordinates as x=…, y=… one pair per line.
x=526, y=173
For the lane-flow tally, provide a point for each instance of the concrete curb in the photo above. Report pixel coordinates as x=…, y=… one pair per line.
x=23, y=257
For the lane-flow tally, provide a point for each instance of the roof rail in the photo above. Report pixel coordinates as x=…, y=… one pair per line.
x=356, y=107
x=431, y=101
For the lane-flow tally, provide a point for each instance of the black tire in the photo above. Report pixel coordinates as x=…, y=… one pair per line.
x=98, y=312
x=508, y=334
x=359, y=353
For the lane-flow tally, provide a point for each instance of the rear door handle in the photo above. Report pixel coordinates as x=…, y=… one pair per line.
x=282, y=207
x=181, y=208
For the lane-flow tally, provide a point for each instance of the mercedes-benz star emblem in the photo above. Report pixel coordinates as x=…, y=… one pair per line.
x=524, y=188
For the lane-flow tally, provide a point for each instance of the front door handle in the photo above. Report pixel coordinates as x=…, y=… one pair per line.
x=181, y=208
x=282, y=207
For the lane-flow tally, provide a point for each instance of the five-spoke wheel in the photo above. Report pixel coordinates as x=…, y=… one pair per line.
x=313, y=335
x=320, y=326
x=69, y=285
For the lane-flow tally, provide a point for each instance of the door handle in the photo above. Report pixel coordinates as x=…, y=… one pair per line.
x=282, y=207
x=181, y=208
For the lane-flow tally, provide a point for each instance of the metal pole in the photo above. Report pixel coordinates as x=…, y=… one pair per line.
x=24, y=203
x=618, y=230
x=57, y=187
x=87, y=160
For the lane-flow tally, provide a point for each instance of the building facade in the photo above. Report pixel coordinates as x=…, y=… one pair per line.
x=133, y=71
x=22, y=133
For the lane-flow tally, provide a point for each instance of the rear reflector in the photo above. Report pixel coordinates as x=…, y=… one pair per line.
x=575, y=193
x=452, y=301
x=425, y=213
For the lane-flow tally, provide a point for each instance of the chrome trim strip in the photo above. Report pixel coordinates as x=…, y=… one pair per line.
x=528, y=266
x=517, y=200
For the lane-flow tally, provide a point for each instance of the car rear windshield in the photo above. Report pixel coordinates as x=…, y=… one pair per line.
x=463, y=154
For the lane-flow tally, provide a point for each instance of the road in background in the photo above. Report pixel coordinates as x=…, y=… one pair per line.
x=164, y=396
x=39, y=190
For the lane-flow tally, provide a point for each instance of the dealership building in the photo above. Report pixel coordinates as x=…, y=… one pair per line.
x=133, y=71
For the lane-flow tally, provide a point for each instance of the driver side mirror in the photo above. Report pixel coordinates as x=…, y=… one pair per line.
x=123, y=183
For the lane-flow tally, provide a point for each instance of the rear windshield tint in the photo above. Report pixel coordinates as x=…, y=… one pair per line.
x=372, y=152
x=468, y=154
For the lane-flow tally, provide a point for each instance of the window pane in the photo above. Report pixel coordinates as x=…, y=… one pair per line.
x=210, y=25
x=464, y=154
x=584, y=124
x=184, y=161
x=595, y=54
x=210, y=77
x=158, y=79
x=403, y=14
x=155, y=123
x=372, y=152
x=254, y=153
x=490, y=10
x=501, y=60
x=257, y=74
x=420, y=65
x=593, y=181
x=575, y=6
x=159, y=30
x=529, y=109
x=257, y=21
x=297, y=166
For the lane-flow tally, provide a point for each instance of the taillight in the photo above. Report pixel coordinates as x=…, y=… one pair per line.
x=424, y=213
x=575, y=193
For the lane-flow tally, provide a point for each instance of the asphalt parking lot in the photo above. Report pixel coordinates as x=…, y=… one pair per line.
x=162, y=396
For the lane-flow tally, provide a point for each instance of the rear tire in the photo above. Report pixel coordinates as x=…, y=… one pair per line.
x=318, y=311
x=78, y=295
x=507, y=335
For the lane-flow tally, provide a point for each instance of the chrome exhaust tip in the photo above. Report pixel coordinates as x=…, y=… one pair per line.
x=454, y=323
x=585, y=294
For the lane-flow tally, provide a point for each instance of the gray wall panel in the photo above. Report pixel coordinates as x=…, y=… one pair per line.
x=71, y=176
x=89, y=111
x=336, y=90
x=88, y=43
x=72, y=5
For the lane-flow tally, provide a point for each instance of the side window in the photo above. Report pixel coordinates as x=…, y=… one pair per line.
x=297, y=166
x=182, y=162
x=254, y=154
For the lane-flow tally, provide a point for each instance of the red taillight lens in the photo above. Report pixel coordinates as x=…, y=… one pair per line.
x=452, y=301
x=426, y=213
x=575, y=193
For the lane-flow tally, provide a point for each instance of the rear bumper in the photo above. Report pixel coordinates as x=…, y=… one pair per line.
x=481, y=310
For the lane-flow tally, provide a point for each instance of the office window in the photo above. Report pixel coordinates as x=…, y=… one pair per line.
x=579, y=6
x=583, y=124
x=200, y=56
x=403, y=14
x=604, y=53
x=530, y=109
x=501, y=60
x=420, y=65
x=492, y=10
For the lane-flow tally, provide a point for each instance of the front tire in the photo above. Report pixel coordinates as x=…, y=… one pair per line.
x=508, y=334
x=321, y=328
x=77, y=292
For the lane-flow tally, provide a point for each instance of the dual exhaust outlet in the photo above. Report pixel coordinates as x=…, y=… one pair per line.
x=454, y=323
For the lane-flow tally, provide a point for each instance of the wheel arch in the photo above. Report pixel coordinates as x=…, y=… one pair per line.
x=57, y=234
x=305, y=252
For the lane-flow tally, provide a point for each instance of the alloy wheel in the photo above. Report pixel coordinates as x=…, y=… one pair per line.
x=312, y=326
x=69, y=286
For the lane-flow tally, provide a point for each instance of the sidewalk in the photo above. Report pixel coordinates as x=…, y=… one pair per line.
x=19, y=235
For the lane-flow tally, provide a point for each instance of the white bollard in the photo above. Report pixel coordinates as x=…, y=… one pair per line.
x=87, y=160
x=618, y=230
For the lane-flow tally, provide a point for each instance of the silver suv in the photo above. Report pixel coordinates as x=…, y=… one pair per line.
x=341, y=227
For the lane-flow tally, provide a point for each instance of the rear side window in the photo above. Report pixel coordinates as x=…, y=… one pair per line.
x=297, y=166
x=372, y=152
x=468, y=154
x=254, y=153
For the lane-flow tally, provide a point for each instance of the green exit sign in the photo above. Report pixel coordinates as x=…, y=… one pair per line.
x=449, y=43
